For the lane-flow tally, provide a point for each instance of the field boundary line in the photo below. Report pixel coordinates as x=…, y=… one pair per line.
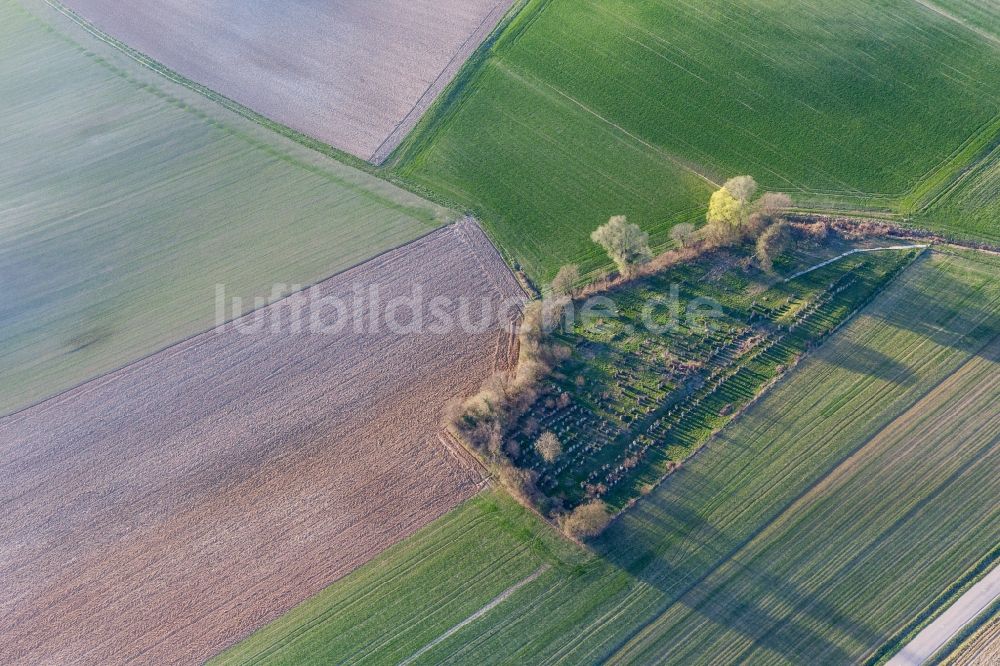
x=451, y=70
x=856, y=250
x=949, y=623
x=499, y=599
x=464, y=457
x=179, y=346
x=570, y=98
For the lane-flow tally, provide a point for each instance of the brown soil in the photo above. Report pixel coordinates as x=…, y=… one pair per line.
x=165, y=511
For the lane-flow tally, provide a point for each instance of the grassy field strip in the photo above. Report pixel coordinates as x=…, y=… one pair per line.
x=127, y=198
x=975, y=199
x=441, y=577
x=624, y=131
x=935, y=635
x=502, y=597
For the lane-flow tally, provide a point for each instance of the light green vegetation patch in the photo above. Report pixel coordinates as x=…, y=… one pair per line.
x=125, y=199
x=587, y=108
x=815, y=527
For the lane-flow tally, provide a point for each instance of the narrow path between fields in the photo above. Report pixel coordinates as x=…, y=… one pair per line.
x=849, y=253
x=503, y=596
x=977, y=599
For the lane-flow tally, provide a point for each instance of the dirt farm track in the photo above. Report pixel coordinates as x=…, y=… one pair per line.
x=162, y=512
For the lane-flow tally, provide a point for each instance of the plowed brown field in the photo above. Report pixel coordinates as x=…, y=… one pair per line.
x=166, y=510
x=355, y=74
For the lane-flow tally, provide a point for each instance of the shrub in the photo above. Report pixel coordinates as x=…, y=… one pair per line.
x=587, y=520
x=773, y=204
x=771, y=243
x=521, y=482
x=548, y=447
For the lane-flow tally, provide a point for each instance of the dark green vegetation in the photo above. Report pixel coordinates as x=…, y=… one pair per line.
x=812, y=530
x=127, y=198
x=584, y=109
x=644, y=388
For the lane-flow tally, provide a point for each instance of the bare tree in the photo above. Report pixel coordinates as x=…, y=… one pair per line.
x=772, y=242
x=773, y=204
x=682, y=234
x=742, y=188
x=626, y=244
x=587, y=520
x=548, y=447
x=566, y=280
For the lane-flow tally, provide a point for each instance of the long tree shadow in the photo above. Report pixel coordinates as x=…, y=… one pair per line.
x=864, y=360
x=967, y=319
x=671, y=547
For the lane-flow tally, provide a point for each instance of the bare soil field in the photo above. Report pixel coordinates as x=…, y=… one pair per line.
x=982, y=649
x=164, y=511
x=350, y=72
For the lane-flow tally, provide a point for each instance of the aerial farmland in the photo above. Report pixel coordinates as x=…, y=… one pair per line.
x=600, y=108
x=360, y=74
x=128, y=197
x=798, y=535
x=241, y=470
x=500, y=331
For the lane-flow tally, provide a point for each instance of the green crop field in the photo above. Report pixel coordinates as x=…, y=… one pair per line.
x=582, y=109
x=974, y=200
x=126, y=198
x=983, y=15
x=815, y=528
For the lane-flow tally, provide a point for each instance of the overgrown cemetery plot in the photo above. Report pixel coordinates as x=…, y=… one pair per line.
x=642, y=389
x=125, y=199
x=584, y=109
x=845, y=503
